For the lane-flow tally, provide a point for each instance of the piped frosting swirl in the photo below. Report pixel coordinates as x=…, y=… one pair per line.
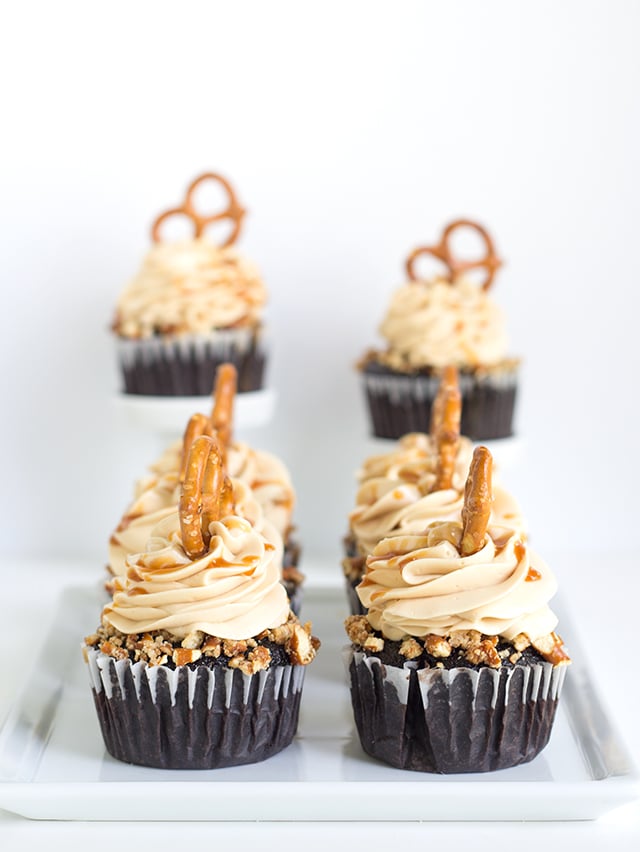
x=433, y=323
x=232, y=592
x=190, y=287
x=418, y=585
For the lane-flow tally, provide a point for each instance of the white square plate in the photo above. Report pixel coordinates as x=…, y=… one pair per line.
x=53, y=764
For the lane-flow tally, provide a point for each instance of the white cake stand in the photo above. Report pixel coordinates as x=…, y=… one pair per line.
x=168, y=415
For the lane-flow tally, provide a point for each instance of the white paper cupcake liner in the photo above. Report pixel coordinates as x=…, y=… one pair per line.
x=399, y=403
x=186, y=365
x=453, y=720
x=193, y=718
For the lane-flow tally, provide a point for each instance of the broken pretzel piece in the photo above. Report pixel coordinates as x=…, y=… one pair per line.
x=551, y=647
x=199, y=424
x=448, y=379
x=477, y=502
x=447, y=436
x=223, y=398
x=206, y=495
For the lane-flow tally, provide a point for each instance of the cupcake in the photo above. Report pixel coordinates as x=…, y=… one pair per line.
x=263, y=487
x=434, y=322
x=199, y=662
x=192, y=306
x=421, y=481
x=456, y=667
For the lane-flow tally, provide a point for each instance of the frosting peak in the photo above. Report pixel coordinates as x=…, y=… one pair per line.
x=190, y=287
x=232, y=592
x=434, y=323
x=418, y=585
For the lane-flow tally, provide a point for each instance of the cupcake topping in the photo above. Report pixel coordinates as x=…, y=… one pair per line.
x=199, y=424
x=443, y=251
x=224, y=393
x=462, y=577
x=205, y=568
x=265, y=474
x=445, y=428
x=429, y=488
x=446, y=320
x=200, y=222
x=206, y=496
x=192, y=286
x=477, y=502
x=414, y=460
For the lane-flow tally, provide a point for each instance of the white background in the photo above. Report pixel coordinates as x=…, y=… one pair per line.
x=353, y=131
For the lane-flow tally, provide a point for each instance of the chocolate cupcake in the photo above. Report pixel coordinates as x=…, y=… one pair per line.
x=199, y=661
x=420, y=481
x=456, y=667
x=192, y=306
x=433, y=323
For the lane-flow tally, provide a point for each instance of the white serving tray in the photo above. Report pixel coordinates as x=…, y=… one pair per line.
x=170, y=414
x=53, y=764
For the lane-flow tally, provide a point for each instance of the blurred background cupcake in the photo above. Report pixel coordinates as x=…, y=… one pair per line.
x=192, y=305
x=431, y=323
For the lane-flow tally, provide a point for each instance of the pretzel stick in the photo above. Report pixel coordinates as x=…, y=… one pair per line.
x=199, y=424
x=448, y=379
x=233, y=211
x=200, y=496
x=442, y=251
x=223, y=398
x=448, y=438
x=477, y=502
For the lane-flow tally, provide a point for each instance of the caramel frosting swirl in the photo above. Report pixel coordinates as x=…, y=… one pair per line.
x=417, y=585
x=161, y=500
x=233, y=592
x=190, y=287
x=269, y=480
x=434, y=323
x=263, y=472
x=150, y=506
x=387, y=507
x=415, y=459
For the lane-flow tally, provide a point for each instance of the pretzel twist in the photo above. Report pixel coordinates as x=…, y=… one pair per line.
x=447, y=437
x=223, y=398
x=442, y=251
x=206, y=496
x=233, y=211
x=199, y=424
x=477, y=502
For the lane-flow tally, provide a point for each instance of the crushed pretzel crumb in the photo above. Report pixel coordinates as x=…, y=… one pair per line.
x=159, y=647
x=358, y=629
x=410, y=648
x=520, y=642
x=183, y=656
x=373, y=643
x=437, y=646
x=484, y=653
